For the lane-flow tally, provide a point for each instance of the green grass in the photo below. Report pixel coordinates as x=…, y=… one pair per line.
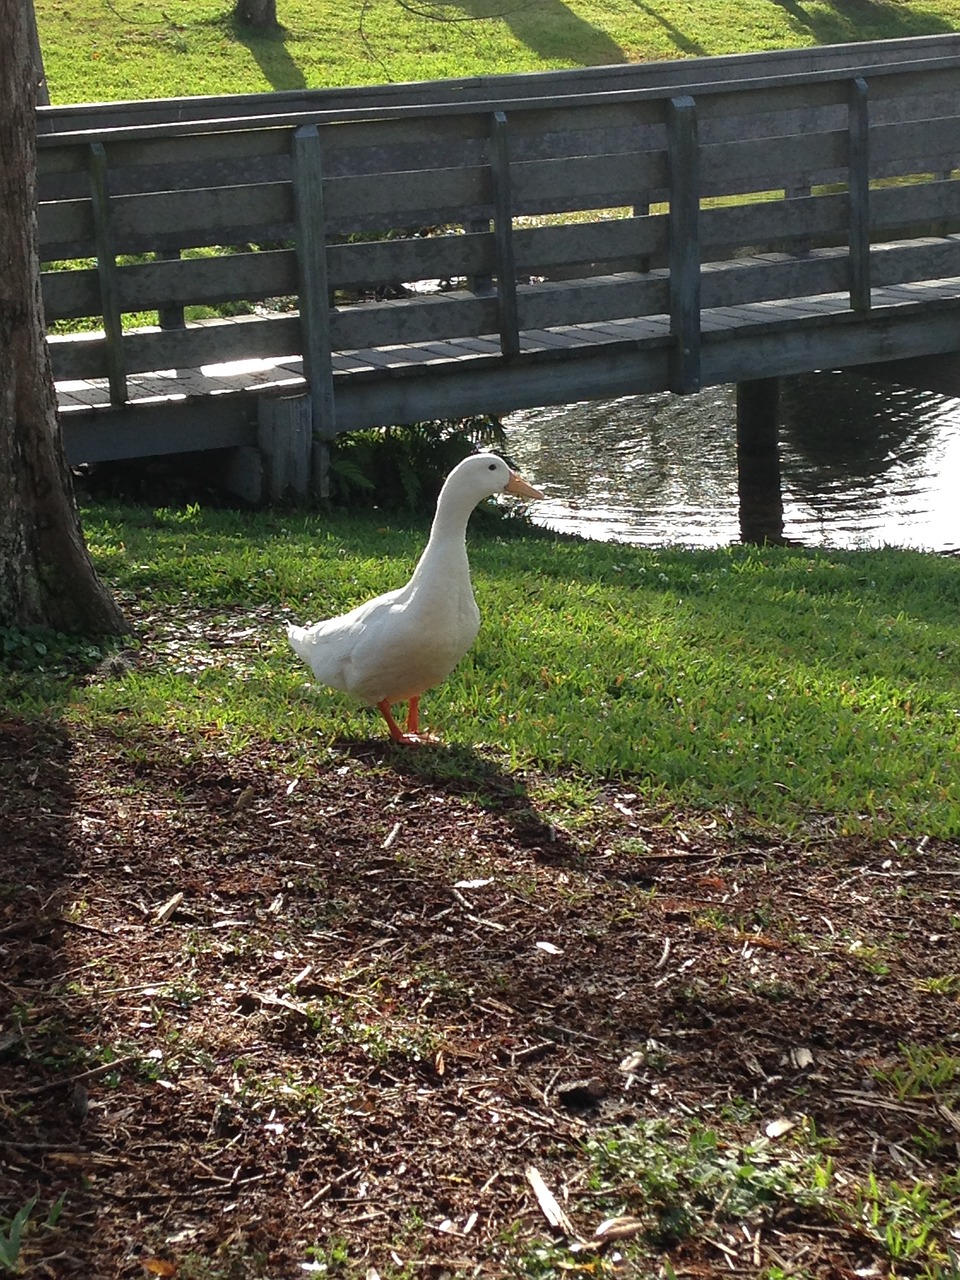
x=141, y=49
x=780, y=683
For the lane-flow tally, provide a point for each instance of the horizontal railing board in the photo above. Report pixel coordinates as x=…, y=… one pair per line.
x=728, y=94
x=206, y=343
x=70, y=294
x=672, y=73
x=387, y=262
x=462, y=314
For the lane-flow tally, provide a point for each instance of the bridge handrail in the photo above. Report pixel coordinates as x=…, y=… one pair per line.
x=669, y=73
x=742, y=193
x=356, y=115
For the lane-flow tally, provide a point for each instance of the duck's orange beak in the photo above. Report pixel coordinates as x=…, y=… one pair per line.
x=519, y=487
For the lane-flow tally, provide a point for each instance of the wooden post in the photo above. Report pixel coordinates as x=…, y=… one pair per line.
x=858, y=162
x=503, y=237
x=285, y=440
x=107, y=274
x=171, y=316
x=758, y=461
x=314, y=298
x=480, y=283
x=684, y=243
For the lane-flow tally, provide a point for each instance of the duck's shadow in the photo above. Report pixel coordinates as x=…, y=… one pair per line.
x=472, y=773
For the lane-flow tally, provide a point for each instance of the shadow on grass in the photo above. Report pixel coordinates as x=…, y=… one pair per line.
x=548, y=28
x=683, y=42
x=846, y=20
x=269, y=51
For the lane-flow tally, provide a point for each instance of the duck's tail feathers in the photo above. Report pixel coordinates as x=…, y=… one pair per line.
x=298, y=638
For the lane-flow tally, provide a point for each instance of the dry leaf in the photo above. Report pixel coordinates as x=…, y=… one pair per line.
x=246, y=796
x=163, y=914
x=161, y=1267
x=777, y=1128
x=547, y=1202
x=618, y=1229
x=802, y=1057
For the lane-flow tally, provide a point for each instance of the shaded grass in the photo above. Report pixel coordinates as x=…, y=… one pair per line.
x=781, y=683
x=102, y=51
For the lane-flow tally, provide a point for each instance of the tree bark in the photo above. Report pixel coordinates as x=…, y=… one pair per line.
x=43, y=92
x=259, y=14
x=46, y=575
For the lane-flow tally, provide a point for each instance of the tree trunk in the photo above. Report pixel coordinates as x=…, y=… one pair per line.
x=43, y=92
x=46, y=575
x=259, y=14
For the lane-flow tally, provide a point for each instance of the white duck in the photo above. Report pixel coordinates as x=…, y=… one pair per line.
x=400, y=644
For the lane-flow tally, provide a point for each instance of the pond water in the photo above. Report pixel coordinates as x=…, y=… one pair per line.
x=863, y=464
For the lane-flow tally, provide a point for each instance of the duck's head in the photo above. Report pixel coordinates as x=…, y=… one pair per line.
x=485, y=474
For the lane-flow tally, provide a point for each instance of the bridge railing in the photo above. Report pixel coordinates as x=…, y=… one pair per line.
x=507, y=217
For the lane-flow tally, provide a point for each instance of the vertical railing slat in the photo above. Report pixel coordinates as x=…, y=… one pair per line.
x=107, y=273
x=858, y=161
x=684, y=243
x=503, y=237
x=314, y=295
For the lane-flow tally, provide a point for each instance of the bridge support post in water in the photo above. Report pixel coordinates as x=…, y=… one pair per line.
x=758, y=461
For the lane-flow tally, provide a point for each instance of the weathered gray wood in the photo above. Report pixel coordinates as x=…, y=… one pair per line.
x=758, y=461
x=668, y=73
x=749, y=287
x=107, y=274
x=859, y=195
x=684, y=244
x=170, y=314
x=503, y=236
x=285, y=439
x=314, y=289
x=146, y=430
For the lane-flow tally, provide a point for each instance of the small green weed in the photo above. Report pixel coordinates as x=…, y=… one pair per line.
x=906, y=1221
x=925, y=1070
x=675, y=1180
x=12, y=1232
x=10, y=1239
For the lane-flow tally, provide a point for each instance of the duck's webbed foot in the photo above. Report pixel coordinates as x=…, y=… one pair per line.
x=412, y=737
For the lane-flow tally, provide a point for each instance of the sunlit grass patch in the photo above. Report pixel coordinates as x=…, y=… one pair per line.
x=777, y=683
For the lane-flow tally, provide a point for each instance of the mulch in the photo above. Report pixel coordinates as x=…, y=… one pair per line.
x=256, y=1016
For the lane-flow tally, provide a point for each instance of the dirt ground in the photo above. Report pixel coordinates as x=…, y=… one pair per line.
x=254, y=1019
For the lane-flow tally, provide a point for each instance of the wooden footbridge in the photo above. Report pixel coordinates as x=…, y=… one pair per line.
x=412, y=252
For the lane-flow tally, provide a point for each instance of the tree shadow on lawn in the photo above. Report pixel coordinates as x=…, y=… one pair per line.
x=548, y=28
x=847, y=20
x=269, y=51
x=684, y=43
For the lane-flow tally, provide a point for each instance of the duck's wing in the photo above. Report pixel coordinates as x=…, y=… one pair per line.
x=329, y=647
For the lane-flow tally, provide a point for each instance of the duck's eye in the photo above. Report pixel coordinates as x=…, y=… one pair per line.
x=492, y=466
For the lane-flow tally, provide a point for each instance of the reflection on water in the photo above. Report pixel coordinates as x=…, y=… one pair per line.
x=863, y=464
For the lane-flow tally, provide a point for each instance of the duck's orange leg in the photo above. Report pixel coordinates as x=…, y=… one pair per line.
x=413, y=716
x=396, y=733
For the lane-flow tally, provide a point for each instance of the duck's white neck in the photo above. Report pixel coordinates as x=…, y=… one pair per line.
x=448, y=533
